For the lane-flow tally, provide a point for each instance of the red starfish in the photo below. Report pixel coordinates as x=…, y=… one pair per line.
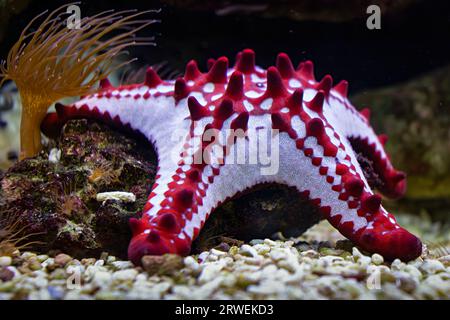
x=314, y=132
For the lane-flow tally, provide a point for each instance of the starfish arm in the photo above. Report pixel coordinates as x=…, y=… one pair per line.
x=335, y=182
x=336, y=185
x=149, y=110
x=170, y=205
x=361, y=138
x=191, y=182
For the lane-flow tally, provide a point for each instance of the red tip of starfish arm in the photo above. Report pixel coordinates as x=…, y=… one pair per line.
x=156, y=242
x=393, y=244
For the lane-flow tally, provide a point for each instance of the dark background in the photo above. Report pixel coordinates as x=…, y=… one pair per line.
x=410, y=43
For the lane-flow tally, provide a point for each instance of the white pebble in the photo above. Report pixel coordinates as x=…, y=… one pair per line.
x=377, y=259
x=122, y=264
x=117, y=196
x=209, y=272
x=432, y=266
x=101, y=278
x=5, y=261
x=54, y=156
x=247, y=250
x=125, y=275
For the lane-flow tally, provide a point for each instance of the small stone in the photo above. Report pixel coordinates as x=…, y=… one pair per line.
x=218, y=253
x=310, y=254
x=377, y=259
x=256, y=241
x=432, y=266
x=42, y=257
x=5, y=261
x=329, y=251
x=101, y=278
x=406, y=284
x=55, y=292
x=28, y=255
x=125, y=275
x=58, y=274
x=162, y=265
x=270, y=242
x=141, y=277
x=6, y=274
x=203, y=256
x=210, y=272
x=191, y=263
x=99, y=263
x=88, y=261
x=34, y=264
x=397, y=264
x=8, y=286
x=122, y=196
x=49, y=264
x=121, y=265
x=223, y=246
x=62, y=259
x=413, y=271
x=248, y=251
x=303, y=246
x=356, y=253
x=445, y=259
x=54, y=155
x=233, y=250
x=106, y=295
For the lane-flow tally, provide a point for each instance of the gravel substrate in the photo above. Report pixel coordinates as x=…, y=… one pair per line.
x=302, y=268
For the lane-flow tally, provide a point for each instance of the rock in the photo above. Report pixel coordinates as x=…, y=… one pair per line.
x=162, y=265
x=59, y=199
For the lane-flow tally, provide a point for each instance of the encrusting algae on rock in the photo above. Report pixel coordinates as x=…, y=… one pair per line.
x=55, y=62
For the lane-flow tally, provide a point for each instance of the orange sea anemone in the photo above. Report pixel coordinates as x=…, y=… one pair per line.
x=55, y=61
